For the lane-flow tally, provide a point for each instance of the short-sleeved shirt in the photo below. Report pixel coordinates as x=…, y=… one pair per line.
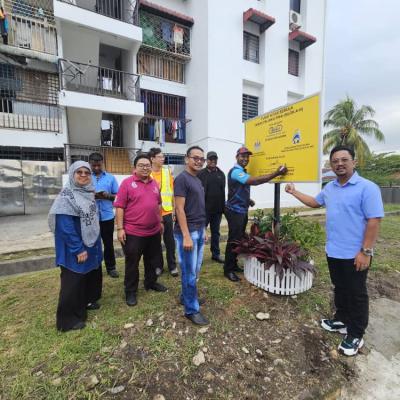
x=238, y=190
x=105, y=182
x=141, y=203
x=190, y=187
x=348, y=209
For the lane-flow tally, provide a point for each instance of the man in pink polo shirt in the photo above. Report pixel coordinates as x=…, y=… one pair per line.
x=139, y=227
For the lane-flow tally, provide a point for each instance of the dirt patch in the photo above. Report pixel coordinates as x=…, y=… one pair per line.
x=384, y=284
x=284, y=357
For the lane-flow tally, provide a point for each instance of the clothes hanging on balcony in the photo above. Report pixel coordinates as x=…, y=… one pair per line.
x=178, y=34
x=166, y=29
x=156, y=130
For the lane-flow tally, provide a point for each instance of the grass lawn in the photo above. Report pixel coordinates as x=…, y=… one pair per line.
x=155, y=354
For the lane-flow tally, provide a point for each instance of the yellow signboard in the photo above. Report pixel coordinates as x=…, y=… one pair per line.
x=288, y=135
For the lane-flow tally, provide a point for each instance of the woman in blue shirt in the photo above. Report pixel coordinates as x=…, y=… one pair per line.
x=74, y=220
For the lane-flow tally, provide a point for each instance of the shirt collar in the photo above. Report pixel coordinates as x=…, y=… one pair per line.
x=102, y=173
x=355, y=178
x=238, y=166
x=137, y=179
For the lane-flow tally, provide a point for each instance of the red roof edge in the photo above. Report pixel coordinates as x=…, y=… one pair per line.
x=163, y=11
x=258, y=17
x=305, y=39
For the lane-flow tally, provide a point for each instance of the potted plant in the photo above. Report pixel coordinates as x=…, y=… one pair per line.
x=276, y=262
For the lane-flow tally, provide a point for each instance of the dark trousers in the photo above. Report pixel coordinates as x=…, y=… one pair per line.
x=237, y=228
x=169, y=242
x=215, y=221
x=107, y=236
x=134, y=248
x=351, y=295
x=76, y=291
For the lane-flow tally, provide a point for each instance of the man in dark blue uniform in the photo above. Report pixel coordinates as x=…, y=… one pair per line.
x=238, y=203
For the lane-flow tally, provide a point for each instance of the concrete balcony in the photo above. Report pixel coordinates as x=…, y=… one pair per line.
x=99, y=89
x=116, y=21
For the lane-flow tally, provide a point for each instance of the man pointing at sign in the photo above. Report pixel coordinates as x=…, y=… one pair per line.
x=237, y=206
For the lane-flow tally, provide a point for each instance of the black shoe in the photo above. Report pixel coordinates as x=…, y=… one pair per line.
x=174, y=272
x=93, y=306
x=131, y=299
x=198, y=319
x=79, y=325
x=157, y=287
x=232, y=276
x=113, y=273
x=218, y=259
x=238, y=269
x=201, y=300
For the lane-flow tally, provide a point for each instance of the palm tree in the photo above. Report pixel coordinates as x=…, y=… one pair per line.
x=349, y=124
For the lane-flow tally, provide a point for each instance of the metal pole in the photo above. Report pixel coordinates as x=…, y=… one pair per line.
x=277, y=207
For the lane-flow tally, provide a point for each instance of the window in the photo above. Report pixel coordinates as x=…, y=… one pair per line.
x=293, y=62
x=165, y=118
x=251, y=47
x=295, y=5
x=249, y=107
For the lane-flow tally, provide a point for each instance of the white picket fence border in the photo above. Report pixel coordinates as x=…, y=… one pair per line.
x=268, y=280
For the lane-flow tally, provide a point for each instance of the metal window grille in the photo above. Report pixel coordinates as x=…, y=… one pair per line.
x=164, y=34
x=293, y=67
x=295, y=5
x=97, y=80
x=251, y=47
x=123, y=10
x=31, y=153
x=160, y=66
x=31, y=25
x=29, y=99
x=165, y=117
x=249, y=107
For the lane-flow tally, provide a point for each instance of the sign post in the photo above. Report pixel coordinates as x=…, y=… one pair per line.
x=290, y=136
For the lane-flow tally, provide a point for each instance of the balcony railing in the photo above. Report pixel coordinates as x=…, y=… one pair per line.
x=117, y=160
x=98, y=81
x=122, y=10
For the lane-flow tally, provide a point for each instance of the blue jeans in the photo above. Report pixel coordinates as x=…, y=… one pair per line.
x=190, y=263
x=215, y=221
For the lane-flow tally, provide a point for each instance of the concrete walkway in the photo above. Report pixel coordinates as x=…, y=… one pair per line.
x=378, y=372
x=30, y=232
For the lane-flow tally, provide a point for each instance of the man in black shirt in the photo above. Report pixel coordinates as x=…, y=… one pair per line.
x=213, y=180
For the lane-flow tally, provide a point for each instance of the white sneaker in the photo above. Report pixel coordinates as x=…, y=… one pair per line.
x=334, y=325
x=350, y=345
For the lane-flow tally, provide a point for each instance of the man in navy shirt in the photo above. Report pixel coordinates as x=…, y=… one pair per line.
x=106, y=188
x=353, y=212
x=237, y=205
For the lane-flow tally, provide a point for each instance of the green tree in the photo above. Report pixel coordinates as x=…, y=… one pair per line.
x=383, y=169
x=350, y=124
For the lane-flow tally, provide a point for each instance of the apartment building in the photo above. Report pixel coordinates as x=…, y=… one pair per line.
x=119, y=76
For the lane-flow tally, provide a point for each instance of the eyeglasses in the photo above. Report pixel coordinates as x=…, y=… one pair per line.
x=143, y=166
x=83, y=173
x=342, y=160
x=198, y=159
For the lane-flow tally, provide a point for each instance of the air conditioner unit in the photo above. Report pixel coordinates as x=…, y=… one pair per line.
x=294, y=20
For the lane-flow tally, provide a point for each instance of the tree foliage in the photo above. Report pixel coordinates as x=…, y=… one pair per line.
x=383, y=169
x=350, y=125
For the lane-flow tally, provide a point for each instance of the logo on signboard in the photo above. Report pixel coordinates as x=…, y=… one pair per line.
x=257, y=145
x=296, y=137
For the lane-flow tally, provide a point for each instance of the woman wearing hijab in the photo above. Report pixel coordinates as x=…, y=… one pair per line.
x=73, y=219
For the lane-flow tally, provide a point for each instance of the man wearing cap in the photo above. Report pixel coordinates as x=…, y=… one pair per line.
x=213, y=180
x=237, y=205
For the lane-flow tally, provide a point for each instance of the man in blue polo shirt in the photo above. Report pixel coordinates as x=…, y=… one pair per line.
x=237, y=205
x=106, y=188
x=353, y=213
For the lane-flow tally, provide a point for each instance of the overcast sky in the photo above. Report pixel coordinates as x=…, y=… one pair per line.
x=362, y=59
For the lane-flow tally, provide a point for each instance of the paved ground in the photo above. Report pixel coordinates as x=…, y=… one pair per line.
x=378, y=372
x=29, y=232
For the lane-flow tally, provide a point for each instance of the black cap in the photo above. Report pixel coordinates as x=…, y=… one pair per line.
x=211, y=154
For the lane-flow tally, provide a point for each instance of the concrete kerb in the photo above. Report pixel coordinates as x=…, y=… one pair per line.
x=38, y=263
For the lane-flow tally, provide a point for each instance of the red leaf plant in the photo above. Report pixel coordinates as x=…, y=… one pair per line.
x=272, y=251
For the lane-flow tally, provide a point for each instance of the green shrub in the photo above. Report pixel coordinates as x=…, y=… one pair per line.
x=306, y=234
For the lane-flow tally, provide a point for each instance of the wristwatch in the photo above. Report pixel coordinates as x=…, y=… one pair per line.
x=367, y=251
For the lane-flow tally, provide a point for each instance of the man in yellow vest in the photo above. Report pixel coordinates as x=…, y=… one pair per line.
x=163, y=176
